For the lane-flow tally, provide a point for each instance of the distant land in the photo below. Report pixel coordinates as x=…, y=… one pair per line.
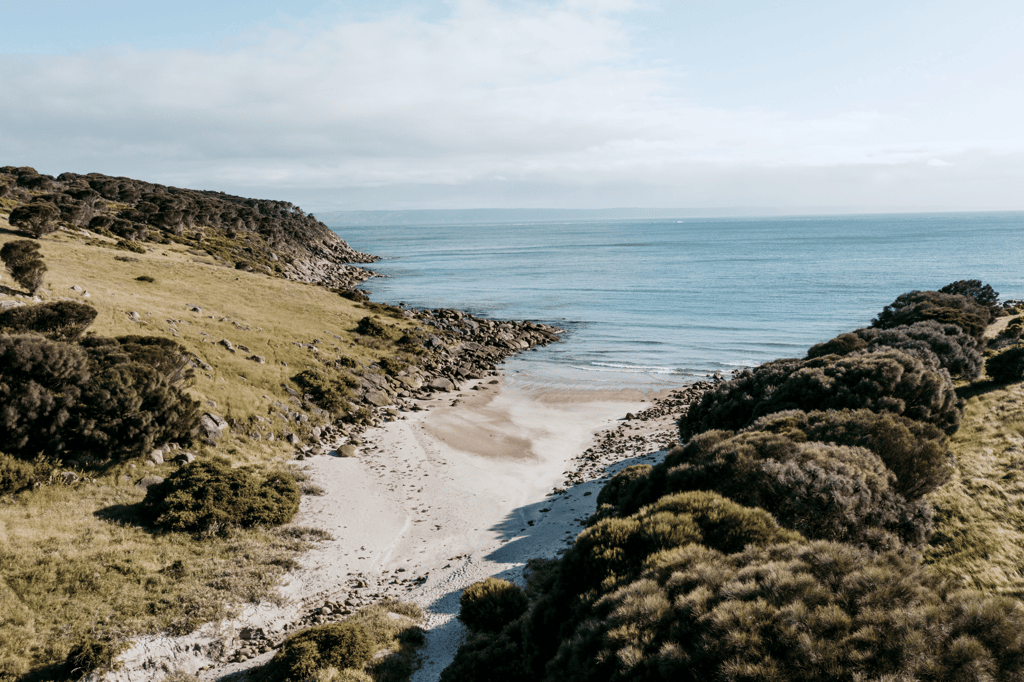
x=518, y=215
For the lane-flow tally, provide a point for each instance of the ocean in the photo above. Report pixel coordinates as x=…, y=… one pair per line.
x=654, y=304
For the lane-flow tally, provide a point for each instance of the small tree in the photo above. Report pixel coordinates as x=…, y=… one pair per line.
x=23, y=260
x=983, y=294
x=1008, y=366
x=35, y=219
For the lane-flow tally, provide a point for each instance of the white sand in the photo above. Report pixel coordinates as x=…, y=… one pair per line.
x=433, y=502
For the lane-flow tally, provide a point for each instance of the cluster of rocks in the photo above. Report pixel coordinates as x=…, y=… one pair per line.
x=658, y=432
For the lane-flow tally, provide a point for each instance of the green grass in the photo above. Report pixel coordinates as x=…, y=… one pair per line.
x=74, y=560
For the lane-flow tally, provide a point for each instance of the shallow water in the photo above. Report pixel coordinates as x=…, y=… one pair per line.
x=653, y=304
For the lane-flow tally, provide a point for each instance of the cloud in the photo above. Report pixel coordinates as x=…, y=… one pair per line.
x=550, y=99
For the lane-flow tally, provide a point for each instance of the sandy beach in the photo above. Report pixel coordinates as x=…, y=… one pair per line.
x=473, y=484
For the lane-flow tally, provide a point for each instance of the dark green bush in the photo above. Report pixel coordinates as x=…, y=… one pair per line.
x=795, y=613
x=208, y=496
x=25, y=263
x=491, y=604
x=1007, y=367
x=36, y=219
x=844, y=344
x=129, y=246
x=337, y=645
x=15, y=474
x=392, y=365
x=352, y=294
x=915, y=452
x=93, y=654
x=884, y=381
x=373, y=326
x=494, y=657
x=40, y=385
x=57, y=320
x=920, y=306
x=953, y=349
x=166, y=356
x=982, y=294
x=328, y=390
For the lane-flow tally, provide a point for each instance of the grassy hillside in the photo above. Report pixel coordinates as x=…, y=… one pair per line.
x=74, y=562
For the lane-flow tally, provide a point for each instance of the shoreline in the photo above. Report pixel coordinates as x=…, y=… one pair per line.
x=472, y=484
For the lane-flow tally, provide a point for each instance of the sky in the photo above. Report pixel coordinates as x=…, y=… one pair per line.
x=873, y=105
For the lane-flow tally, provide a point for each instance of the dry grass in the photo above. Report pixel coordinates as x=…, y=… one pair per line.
x=979, y=536
x=74, y=560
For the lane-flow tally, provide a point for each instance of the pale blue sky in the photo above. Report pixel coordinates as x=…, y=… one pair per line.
x=874, y=105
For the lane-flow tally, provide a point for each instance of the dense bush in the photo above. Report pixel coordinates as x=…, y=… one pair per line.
x=23, y=260
x=885, y=381
x=373, y=326
x=166, y=356
x=334, y=645
x=15, y=474
x=57, y=320
x=955, y=350
x=35, y=219
x=844, y=344
x=40, y=385
x=491, y=604
x=791, y=613
x=982, y=294
x=919, y=306
x=92, y=654
x=615, y=549
x=328, y=390
x=207, y=496
x=494, y=657
x=915, y=452
x=823, y=491
x=1008, y=366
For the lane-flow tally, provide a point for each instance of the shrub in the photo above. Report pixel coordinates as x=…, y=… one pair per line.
x=207, y=496
x=15, y=474
x=491, y=657
x=614, y=550
x=57, y=320
x=915, y=452
x=166, y=356
x=885, y=381
x=335, y=645
x=24, y=261
x=352, y=294
x=373, y=326
x=919, y=306
x=791, y=612
x=93, y=654
x=953, y=349
x=821, y=490
x=40, y=384
x=330, y=391
x=392, y=365
x=1006, y=367
x=844, y=344
x=491, y=604
x=982, y=294
x=35, y=219
x=145, y=278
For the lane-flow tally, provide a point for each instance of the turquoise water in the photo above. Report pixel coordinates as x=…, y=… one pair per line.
x=654, y=304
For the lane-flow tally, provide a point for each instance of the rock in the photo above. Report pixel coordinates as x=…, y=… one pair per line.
x=317, y=432
x=156, y=456
x=242, y=348
x=377, y=398
x=348, y=450
x=630, y=416
x=193, y=307
x=68, y=478
x=149, y=479
x=442, y=384
x=291, y=391
x=227, y=344
x=185, y=458
x=213, y=426
x=76, y=288
x=133, y=316
x=251, y=633
x=258, y=359
x=292, y=438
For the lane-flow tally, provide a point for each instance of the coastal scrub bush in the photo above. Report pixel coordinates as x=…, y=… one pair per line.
x=1006, y=367
x=36, y=219
x=982, y=294
x=40, y=384
x=373, y=326
x=15, y=474
x=207, y=496
x=328, y=390
x=91, y=654
x=884, y=381
x=494, y=657
x=844, y=344
x=25, y=263
x=795, y=612
x=56, y=320
x=491, y=604
x=918, y=306
x=334, y=645
x=168, y=357
x=916, y=453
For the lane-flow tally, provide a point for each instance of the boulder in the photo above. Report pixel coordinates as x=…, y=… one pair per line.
x=213, y=427
x=227, y=344
x=156, y=456
x=347, y=451
x=185, y=458
x=258, y=359
x=148, y=480
x=442, y=384
x=377, y=398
